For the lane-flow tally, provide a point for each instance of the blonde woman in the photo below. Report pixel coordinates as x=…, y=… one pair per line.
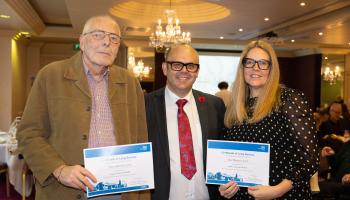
x=263, y=111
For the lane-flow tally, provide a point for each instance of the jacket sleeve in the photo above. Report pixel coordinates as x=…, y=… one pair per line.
x=141, y=114
x=33, y=132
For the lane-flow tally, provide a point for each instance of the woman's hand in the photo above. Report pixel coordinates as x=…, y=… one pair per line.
x=270, y=192
x=229, y=189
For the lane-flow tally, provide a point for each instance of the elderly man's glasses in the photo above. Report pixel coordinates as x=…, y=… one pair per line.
x=250, y=63
x=100, y=35
x=177, y=66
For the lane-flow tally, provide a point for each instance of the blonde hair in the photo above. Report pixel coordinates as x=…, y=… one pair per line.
x=269, y=98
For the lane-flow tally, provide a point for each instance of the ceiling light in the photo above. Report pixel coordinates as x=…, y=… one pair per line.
x=240, y=30
x=332, y=76
x=320, y=33
x=139, y=70
x=172, y=33
x=326, y=58
x=302, y=4
x=5, y=16
x=266, y=19
x=221, y=37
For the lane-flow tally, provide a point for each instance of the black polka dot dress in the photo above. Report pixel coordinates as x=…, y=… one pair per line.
x=290, y=131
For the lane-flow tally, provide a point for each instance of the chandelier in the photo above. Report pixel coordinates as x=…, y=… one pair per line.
x=332, y=76
x=171, y=34
x=139, y=70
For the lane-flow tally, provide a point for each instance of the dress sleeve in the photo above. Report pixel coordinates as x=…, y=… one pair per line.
x=301, y=133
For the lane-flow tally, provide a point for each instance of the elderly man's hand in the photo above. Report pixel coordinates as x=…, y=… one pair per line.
x=74, y=176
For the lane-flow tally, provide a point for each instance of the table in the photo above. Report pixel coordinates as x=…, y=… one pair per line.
x=9, y=155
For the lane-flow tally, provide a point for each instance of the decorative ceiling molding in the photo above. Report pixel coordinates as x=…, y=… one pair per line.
x=28, y=14
x=187, y=11
x=8, y=33
x=306, y=22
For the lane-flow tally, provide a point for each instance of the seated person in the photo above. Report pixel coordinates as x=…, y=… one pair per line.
x=339, y=182
x=320, y=117
x=335, y=125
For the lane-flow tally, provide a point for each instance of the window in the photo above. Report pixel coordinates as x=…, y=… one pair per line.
x=214, y=68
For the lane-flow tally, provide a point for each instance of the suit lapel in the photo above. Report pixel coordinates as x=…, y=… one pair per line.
x=76, y=72
x=202, y=107
x=203, y=115
x=162, y=124
x=116, y=84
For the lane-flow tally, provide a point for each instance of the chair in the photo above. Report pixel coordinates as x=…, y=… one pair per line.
x=4, y=169
x=25, y=172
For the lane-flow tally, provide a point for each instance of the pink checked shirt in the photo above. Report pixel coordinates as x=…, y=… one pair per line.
x=101, y=126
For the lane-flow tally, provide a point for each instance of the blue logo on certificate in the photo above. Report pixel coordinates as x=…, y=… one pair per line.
x=117, y=168
x=238, y=161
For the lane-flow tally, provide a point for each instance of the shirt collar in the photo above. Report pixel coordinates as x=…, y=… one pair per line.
x=88, y=72
x=173, y=97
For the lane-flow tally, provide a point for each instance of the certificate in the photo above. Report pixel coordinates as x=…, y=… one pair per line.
x=243, y=162
x=121, y=168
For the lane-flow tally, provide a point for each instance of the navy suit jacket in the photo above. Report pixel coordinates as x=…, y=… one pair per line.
x=211, y=110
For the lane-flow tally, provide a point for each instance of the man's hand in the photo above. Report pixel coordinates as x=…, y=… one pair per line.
x=74, y=176
x=229, y=189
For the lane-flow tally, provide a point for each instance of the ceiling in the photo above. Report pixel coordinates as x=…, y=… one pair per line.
x=64, y=20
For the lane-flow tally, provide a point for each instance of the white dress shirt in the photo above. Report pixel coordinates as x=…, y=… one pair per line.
x=180, y=187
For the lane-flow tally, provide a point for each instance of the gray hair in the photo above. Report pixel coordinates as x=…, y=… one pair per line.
x=89, y=22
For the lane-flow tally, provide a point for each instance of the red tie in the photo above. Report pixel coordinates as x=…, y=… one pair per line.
x=188, y=163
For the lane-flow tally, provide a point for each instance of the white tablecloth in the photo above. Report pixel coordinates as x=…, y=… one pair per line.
x=9, y=156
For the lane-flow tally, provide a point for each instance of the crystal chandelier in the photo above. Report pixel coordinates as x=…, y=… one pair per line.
x=332, y=76
x=139, y=70
x=171, y=34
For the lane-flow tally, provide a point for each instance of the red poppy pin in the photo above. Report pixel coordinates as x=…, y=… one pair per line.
x=201, y=99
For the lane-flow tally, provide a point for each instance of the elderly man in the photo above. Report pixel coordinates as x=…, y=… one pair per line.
x=334, y=127
x=180, y=120
x=336, y=124
x=82, y=102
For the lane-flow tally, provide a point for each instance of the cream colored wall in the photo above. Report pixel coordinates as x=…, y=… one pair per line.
x=33, y=63
x=51, y=52
x=40, y=54
x=19, y=75
x=5, y=80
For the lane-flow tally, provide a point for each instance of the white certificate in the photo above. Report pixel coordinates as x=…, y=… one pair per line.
x=121, y=168
x=243, y=162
